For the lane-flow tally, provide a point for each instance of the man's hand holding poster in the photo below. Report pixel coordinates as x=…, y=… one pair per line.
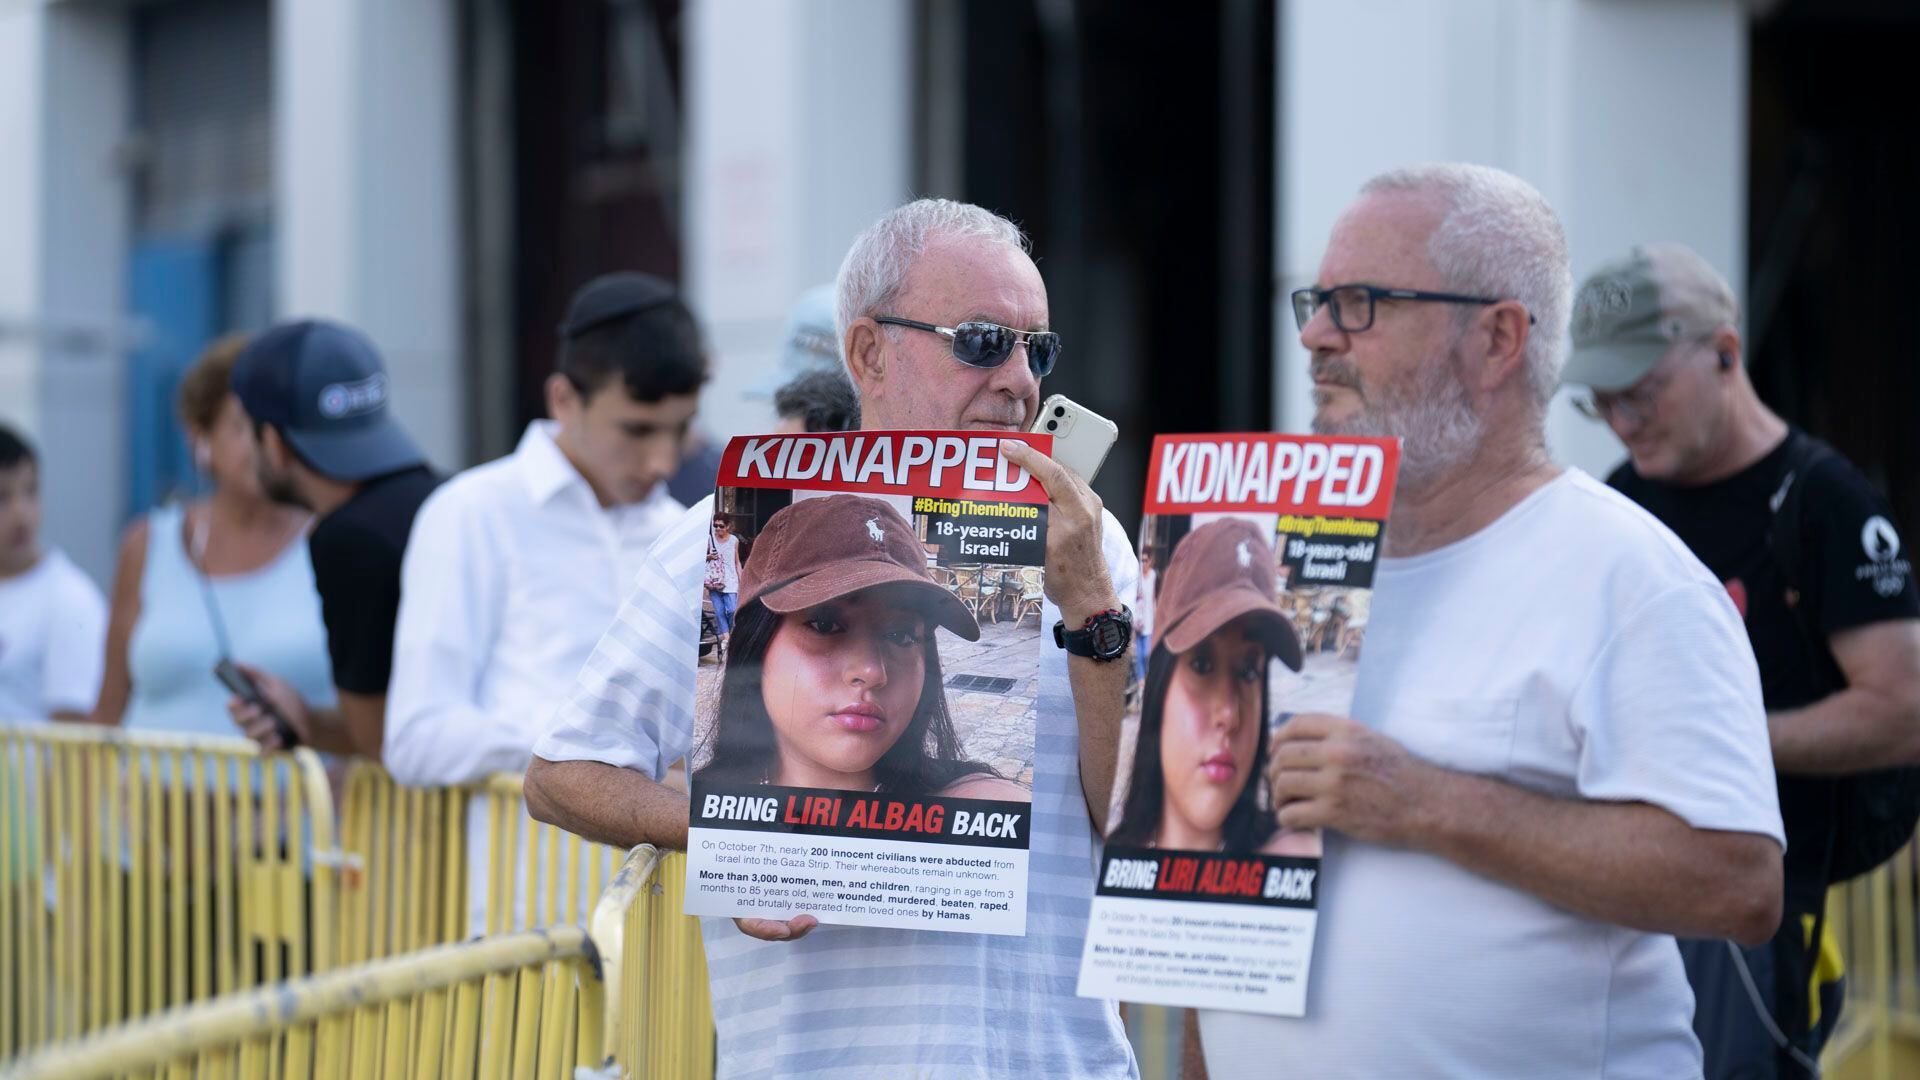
x=1257, y=556
x=864, y=752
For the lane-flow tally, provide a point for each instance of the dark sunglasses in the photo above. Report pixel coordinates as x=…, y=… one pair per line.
x=987, y=345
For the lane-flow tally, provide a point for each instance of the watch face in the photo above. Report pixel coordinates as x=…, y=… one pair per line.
x=1109, y=637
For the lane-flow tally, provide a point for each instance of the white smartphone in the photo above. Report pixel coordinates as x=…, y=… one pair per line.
x=1081, y=437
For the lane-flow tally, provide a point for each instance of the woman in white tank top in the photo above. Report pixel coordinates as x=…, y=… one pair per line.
x=167, y=626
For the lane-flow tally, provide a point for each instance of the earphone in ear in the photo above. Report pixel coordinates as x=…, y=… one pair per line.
x=1726, y=362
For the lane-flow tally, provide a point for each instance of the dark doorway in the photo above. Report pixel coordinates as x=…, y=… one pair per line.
x=573, y=148
x=1135, y=145
x=1834, y=164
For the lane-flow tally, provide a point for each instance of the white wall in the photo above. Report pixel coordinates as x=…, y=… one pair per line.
x=367, y=192
x=85, y=218
x=367, y=215
x=63, y=242
x=22, y=27
x=798, y=137
x=1629, y=116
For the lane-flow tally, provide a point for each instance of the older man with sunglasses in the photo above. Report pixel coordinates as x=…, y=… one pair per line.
x=942, y=317
x=1557, y=758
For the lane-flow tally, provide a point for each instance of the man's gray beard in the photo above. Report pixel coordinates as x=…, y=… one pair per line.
x=1434, y=421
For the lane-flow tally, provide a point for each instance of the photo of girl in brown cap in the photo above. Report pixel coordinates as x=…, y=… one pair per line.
x=833, y=676
x=1200, y=755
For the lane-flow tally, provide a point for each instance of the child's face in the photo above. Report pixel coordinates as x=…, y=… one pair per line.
x=19, y=515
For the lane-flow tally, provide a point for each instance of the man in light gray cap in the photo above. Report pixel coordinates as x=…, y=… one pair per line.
x=1652, y=327
x=810, y=344
x=1812, y=561
x=814, y=402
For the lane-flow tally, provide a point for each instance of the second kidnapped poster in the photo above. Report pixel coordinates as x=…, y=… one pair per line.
x=1257, y=555
x=864, y=729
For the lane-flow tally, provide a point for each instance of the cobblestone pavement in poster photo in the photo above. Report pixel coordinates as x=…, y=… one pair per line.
x=994, y=728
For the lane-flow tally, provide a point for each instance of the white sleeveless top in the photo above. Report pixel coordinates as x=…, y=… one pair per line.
x=272, y=618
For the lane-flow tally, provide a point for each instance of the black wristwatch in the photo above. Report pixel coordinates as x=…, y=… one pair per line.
x=1105, y=637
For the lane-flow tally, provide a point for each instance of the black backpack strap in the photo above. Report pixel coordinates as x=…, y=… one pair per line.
x=1786, y=536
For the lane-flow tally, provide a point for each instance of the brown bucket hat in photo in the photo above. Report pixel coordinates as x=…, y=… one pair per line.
x=1220, y=572
x=818, y=550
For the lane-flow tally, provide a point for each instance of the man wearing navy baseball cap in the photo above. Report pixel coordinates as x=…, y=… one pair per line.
x=317, y=392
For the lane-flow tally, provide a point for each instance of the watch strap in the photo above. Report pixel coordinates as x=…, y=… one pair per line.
x=1104, y=638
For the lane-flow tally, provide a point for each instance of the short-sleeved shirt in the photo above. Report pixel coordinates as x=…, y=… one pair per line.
x=1853, y=571
x=356, y=554
x=1575, y=648
x=859, y=1001
x=53, y=630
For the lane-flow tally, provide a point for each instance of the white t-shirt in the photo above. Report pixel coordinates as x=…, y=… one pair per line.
x=53, y=632
x=1576, y=648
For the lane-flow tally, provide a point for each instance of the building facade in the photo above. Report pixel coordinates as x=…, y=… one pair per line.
x=442, y=173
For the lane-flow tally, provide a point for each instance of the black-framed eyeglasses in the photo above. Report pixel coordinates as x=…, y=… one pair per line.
x=987, y=345
x=1352, y=305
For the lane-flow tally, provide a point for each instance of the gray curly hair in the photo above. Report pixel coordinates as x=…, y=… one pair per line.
x=876, y=266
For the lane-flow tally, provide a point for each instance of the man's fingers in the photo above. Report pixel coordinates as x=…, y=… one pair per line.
x=764, y=929
x=777, y=929
x=1308, y=726
x=1024, y=455
x=1305, y=814
x=1053, y=476
x=1293, y=784
x=1300, y=753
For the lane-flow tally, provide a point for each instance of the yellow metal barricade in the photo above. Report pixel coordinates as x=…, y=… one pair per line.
x=659, y=1014
x=1873, y=918
x=538, y=874
x=142, y=871
x=408, y=886
x=519, y=1005
x=1158, y=1035
x=416, y=852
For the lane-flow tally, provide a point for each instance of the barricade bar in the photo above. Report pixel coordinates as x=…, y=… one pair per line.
x=393, y=1011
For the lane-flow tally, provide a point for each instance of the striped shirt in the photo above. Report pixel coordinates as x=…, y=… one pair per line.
x=860, y=1001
